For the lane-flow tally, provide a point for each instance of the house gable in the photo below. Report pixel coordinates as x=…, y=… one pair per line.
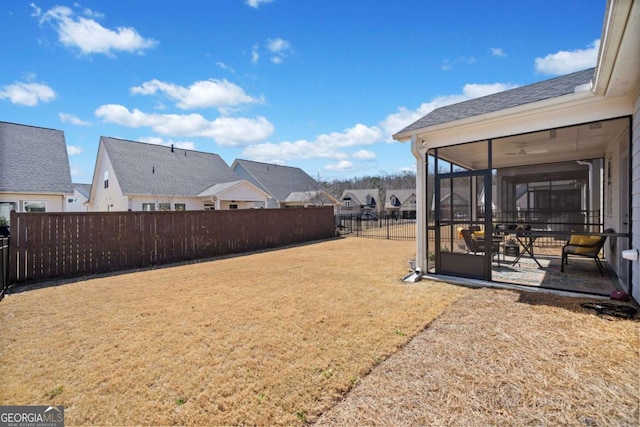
x=277, y=180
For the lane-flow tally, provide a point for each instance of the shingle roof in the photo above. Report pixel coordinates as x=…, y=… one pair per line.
x=149, y=169
x=547, y=89
x=402, y=195
x=84, y=189
x=279, y=181
x=33, y=160
x=361, y=195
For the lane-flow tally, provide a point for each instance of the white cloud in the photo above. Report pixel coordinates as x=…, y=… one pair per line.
x=328, y=146
x=70, y=118
x=228, y=131
x=256, y=3
x=36, y=10
x=565, y=62
x=74, y=150
x=78, y=172
x=255, y=56
x=448, y=64
x=364, y=155
x=341, y=166
x=279, y=48
x=201, y=94
x=497, y=51
x=395, y=122
x=187, y=145
x=89, y=37
x=27, y=93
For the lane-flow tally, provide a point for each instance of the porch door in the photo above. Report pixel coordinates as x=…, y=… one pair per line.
x=460, y=205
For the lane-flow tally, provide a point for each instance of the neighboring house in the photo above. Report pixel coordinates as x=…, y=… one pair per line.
x=359, y=202
x=138, y=176
x=401, y=203
x=287, y=186
x=34, y=170
x=78, y=202
x=589, y=118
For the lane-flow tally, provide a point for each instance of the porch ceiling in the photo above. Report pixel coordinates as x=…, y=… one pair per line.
x=580, y=142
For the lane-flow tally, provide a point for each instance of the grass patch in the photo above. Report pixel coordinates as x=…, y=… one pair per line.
x=273, y=338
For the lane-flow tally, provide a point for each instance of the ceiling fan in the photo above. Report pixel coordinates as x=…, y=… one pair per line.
x=523, y=152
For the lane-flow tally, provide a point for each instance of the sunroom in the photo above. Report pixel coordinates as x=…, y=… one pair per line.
x=504, y=182
x=526, y=195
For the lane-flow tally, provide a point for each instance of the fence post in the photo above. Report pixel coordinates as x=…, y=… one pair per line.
x=4, y=266
x=387, y=221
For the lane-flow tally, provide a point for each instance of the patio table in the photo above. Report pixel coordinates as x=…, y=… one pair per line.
x=526, y=239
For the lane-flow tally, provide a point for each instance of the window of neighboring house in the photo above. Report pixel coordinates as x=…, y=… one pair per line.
x=148, y=207
x=35, y=206
x=5, y=211
x=347, y=203
x=106, y=179
x=164, y=206
x=233, y=206
x=179, y=207
x=71, y=200
x=209, y=207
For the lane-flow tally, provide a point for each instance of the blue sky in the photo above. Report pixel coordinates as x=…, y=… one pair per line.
x=316, y=84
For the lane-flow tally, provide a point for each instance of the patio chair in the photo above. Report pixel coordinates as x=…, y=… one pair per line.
x=478, y=245
x=584, y=245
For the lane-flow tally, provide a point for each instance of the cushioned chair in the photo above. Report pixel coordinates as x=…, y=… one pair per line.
x=584, y=245
x=478, y=245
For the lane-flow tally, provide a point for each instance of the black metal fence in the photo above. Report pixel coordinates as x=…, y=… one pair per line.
x=4, y=265
x=388, y=227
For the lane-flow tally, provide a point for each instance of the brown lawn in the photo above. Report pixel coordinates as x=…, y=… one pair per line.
x=506, y=358
x=268, y=338
x=321, y=333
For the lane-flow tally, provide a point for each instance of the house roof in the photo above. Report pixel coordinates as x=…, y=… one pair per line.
x=360, y=196
x=84, y=189
x=535, y=92
x=402, y=195
x=150, y=169
x=33, y=160
x=277, y=180
x=310, y=196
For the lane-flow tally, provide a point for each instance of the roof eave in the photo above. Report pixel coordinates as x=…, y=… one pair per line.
x=579, y=96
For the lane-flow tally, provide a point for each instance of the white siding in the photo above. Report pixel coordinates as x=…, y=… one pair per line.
x=53, y=202
x=191, y=204
x=77, y=203
x=106, y=199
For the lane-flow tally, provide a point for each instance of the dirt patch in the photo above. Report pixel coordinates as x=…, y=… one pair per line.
x=499, y=357
x=269, y=338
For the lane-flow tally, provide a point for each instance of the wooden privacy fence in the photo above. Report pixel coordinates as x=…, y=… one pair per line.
x=48, y=245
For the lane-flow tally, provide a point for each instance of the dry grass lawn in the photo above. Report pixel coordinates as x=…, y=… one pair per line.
x=499, y=357
x=273, y=338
